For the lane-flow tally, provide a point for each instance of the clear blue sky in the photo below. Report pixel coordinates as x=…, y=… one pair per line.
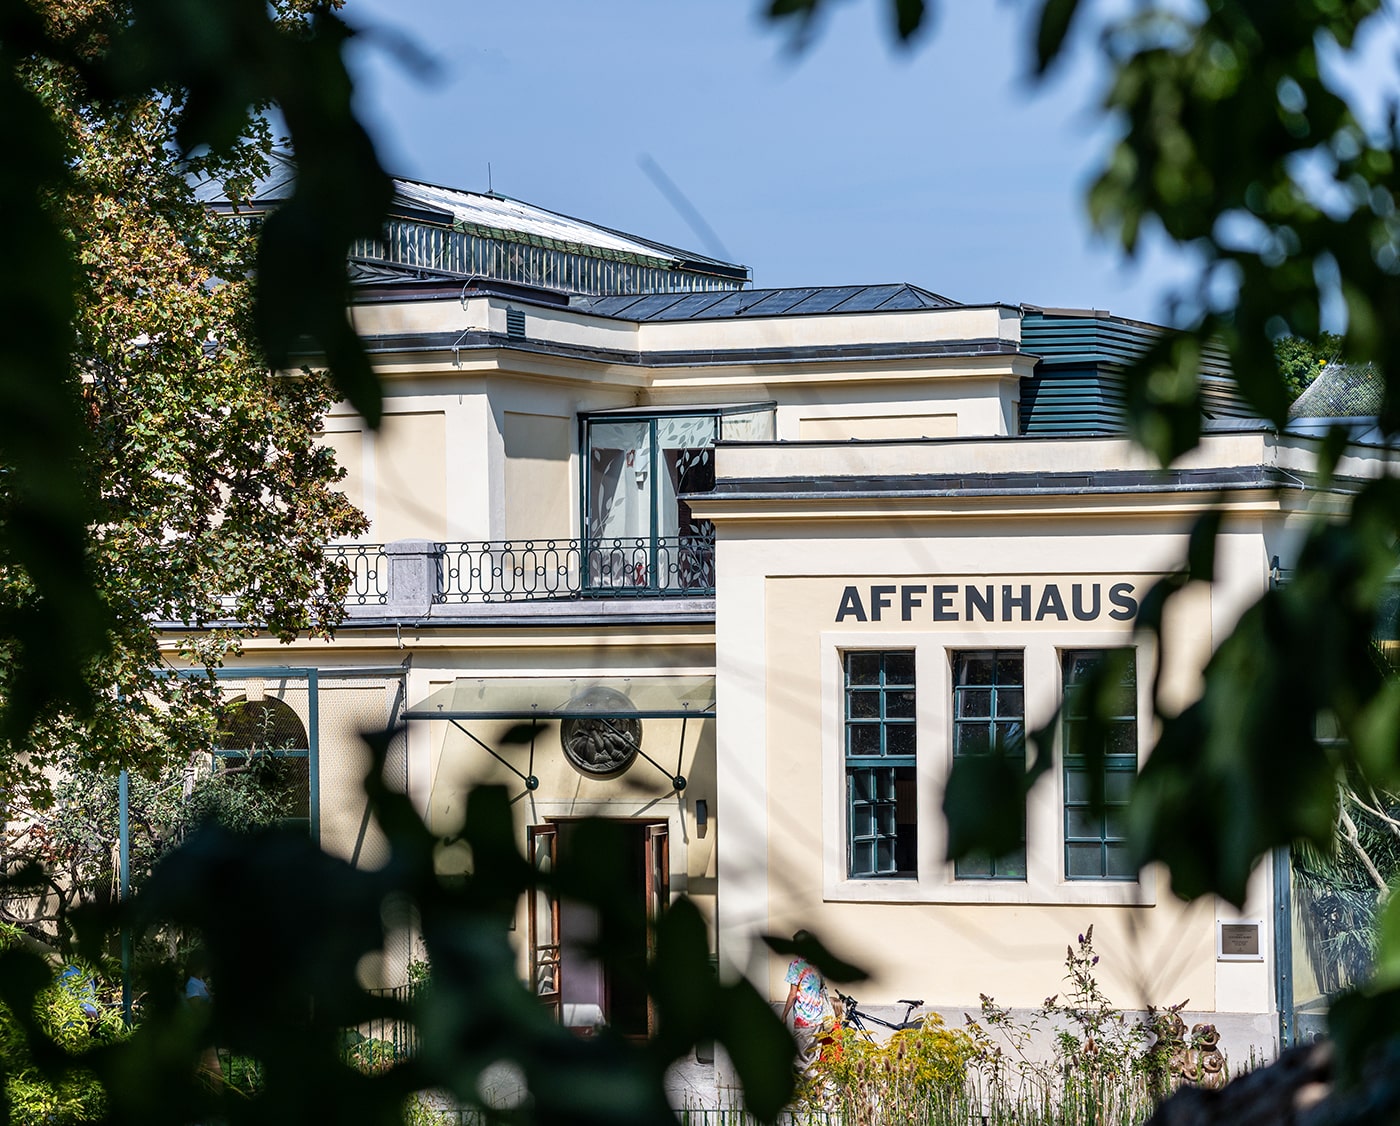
x=852, y=162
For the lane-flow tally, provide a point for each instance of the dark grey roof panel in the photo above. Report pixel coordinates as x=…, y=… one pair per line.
x=825, y=299
x=614, y=305
x=778, y=301
x=691, y=305
x=914, y=297
x=731, y=304
x=1362, y=431
x=788, y=301
x=868, y=298
x=652, y=307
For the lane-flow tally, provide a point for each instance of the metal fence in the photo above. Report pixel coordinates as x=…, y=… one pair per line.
x=528, y=570
x=544, y=570
x=369, y=572
x=575, y=269
x=371, y=1047
x=385, y=1040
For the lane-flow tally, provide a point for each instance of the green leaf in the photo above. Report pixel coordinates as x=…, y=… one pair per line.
x=1360, y=1024
x=985, y=804
x=759, y=1047
x=1163, y=396
x=682, y=985
x=1330, y=452
x=1056, y=16
x=1200, y=548
x=1386, y=974
x=909, y=17
x=809, y=947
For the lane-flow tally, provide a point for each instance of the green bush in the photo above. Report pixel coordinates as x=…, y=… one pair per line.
x=77, y=1010
x=895, y=1080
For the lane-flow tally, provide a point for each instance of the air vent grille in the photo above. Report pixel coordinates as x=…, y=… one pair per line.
x=515, y=324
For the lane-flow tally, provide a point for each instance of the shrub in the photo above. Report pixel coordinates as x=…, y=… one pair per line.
x=371, y=1056
x=896, y=1080
x=77, y=1011
x=1105, y=1067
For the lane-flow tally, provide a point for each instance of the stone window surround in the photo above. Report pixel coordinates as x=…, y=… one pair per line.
x=935, y=883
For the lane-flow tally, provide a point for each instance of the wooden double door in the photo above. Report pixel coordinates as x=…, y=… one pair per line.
x=581, y=991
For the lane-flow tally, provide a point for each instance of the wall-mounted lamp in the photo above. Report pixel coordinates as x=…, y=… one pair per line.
x=702, y=817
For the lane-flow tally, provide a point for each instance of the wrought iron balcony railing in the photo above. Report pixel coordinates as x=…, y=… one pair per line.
x=543, y=570
x=369, y=572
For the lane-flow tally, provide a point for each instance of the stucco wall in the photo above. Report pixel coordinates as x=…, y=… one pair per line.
x=780, y=754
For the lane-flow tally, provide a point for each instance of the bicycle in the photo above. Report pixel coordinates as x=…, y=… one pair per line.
x=852, y=1017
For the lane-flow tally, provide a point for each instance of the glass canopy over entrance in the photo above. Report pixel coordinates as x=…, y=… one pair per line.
x=558, y=697
x=600, y=717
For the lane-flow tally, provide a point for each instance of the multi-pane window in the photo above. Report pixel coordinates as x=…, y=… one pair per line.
x=1095, y=830
x=881, y=807
x=989, y=717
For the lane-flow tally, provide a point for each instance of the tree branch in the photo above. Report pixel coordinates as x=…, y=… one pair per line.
x=1350, y=835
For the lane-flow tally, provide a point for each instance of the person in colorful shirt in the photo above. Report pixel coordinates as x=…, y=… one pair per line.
x=809, y=1007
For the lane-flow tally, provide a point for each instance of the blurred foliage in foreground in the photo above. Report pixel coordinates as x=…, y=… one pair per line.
x=288, y=931
x=1234, y=138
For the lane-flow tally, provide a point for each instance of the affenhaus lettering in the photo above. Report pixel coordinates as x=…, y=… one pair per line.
x=989, y=602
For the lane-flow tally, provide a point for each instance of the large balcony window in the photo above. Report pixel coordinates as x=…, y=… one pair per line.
x=639, y=535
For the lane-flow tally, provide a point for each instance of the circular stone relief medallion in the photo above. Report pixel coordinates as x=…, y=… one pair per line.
x=601, y=744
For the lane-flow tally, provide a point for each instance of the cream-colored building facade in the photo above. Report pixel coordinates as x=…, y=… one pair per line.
x=759, y=564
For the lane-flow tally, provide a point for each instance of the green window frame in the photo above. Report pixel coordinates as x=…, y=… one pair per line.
x=881, y=736
x=1096, y=846
x=639, y=536
x=989, y=715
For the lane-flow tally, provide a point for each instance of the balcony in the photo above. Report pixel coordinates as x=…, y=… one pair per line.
x=443, y=574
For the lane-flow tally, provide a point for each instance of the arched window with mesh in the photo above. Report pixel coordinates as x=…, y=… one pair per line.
x=265, y=741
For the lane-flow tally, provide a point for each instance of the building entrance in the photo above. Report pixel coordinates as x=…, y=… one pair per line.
x=584, y=993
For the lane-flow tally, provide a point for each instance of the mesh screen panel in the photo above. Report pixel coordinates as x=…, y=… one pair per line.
x=348, y=707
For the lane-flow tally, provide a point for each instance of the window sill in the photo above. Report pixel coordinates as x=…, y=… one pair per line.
x=1107, y=893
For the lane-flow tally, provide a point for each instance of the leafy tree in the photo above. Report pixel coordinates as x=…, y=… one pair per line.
x=1300, y=361
x=206, y=495
x=1341, y=891
x=77, y=1012
x=108, y=105
x=162, y=472
x=75, y=838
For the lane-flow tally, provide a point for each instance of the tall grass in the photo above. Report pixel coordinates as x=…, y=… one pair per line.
x=968, y=1105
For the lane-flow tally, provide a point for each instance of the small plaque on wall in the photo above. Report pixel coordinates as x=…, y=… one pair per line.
x=1240, y=941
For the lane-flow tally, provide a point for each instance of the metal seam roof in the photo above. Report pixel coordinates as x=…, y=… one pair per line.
x=787, y=301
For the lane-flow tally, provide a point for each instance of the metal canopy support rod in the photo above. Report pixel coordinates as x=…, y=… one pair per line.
x=677, y=779
x=531, y=782
x=680, y=751
x=1283, y=947
x=124, y=883
x=313, y=732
